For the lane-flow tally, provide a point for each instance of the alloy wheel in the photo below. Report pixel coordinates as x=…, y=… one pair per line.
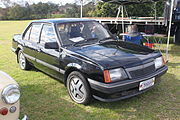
x=77, y=89
x=22, y=61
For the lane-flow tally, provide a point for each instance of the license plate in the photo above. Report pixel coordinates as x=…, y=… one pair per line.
x=146, y=84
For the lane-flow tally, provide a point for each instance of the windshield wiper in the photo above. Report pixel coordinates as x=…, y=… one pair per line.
x=91, y=39
x=80, y=42
x=107, y=38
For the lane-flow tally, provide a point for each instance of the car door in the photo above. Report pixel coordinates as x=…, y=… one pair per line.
x=48, y=59
x=30, y=40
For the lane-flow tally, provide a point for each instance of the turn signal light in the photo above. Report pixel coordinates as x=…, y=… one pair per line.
x=107, y=78
x=3, y=111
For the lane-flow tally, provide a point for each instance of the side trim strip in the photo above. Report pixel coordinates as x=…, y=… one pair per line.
x=45, y=64
x=30, y=57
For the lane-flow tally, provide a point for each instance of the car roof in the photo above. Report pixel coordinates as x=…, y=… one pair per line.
x=62, y=20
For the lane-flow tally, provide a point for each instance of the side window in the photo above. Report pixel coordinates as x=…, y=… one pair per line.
x=27, y=33
x=47, y=34
x=35, y=31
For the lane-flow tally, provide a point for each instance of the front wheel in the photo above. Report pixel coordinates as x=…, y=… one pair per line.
x=78, y=88
x=23, y=63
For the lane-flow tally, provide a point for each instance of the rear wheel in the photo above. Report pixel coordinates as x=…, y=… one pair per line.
x=78, y=88
x=23, y=63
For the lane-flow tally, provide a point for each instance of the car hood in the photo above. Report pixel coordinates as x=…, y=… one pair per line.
x=117, y=54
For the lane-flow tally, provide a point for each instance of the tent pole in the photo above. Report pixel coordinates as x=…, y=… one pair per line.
x=123, y=18
x=81, y=9
x=155, y=10
x=169, y=32
x=119, y=10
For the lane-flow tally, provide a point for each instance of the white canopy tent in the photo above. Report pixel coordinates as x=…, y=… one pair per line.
x=127, y=2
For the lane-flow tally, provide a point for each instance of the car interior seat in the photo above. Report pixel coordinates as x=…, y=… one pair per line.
x=75, y=32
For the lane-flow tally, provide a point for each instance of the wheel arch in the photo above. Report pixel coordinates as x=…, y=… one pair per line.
x=73, y=67
x=19, y=47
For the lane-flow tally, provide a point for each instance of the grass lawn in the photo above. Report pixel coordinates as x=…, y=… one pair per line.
x=44, y=98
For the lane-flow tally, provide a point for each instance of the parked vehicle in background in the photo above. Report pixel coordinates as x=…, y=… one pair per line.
x=88, y=59
x=9, y=98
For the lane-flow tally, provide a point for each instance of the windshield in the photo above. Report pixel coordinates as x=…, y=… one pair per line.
x=82, y=32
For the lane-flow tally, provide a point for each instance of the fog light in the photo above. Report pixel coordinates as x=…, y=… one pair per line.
x=12, y=109
x=4, y=111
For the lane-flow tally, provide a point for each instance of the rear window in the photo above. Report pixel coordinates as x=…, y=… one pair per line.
x=35, y=31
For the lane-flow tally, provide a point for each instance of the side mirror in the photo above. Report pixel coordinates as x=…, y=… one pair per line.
x=51, y=45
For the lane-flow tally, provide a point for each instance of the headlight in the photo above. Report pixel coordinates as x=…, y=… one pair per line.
x=11, y=94
x=159, y=62
x=114, y=75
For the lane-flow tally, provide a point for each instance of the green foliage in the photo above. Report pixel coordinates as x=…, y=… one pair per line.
x=39, y=10
x=34, y=11
x=74, y=11
x=58, y=16
x=142, y=10
x=104, y=9
x=162, y=40
x=88, y=8
x=160, y=7
x=42, y=10
x=17, y=13
x=3, y=14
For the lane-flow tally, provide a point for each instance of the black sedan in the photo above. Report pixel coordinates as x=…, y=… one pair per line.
x=86, y=57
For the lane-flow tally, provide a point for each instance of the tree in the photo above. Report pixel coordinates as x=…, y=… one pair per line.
x=28, y=10
x=17, y=12
x=74, y=11
x=3, y=13
x=146, y=10
x=42, y=10
x=160, y=8
x=39, y=10
x=140, y=10
x=87, y=8
x=104, y=9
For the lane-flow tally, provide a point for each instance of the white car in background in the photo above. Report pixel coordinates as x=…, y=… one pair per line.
x=9, y=98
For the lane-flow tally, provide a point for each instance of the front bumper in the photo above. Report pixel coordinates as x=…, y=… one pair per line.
x=123, y=89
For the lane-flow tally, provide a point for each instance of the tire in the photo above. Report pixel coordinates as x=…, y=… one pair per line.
x=78, y=88
x=177, y=36
x=23, y=63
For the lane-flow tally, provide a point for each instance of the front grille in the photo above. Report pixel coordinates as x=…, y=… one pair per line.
x=141, y=71
x=136, y=73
